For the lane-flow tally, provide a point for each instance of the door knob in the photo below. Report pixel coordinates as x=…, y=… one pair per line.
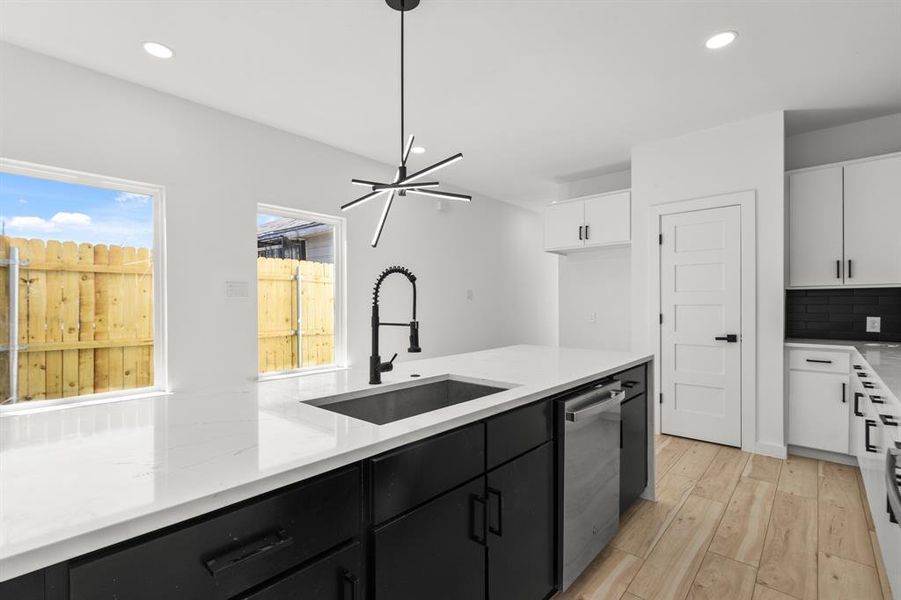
x=729, y=337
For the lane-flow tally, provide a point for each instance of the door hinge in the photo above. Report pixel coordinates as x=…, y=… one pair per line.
x=661, y=318
x=661, y=397
x=660, y=239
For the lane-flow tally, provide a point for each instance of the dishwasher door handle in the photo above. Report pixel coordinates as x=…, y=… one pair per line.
x=601, y=395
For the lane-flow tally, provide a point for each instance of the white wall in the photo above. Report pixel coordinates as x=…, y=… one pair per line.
x=595, y=283
x=217, y=167
x=744, y=155
x=844, y=142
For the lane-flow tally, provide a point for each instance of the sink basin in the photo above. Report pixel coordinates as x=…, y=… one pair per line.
x=386, y=406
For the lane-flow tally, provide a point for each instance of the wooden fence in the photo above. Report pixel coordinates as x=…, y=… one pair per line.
x=85, y=314
x=277, y=306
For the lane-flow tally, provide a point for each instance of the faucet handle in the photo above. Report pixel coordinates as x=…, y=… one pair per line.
x=388, y=366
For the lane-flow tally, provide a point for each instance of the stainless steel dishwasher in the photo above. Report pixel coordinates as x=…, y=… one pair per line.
x=590, y=463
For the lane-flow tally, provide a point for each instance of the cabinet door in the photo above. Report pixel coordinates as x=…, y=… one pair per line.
x=819, y=411
x=25, y=587
x=563, y=225
x=436, y=551
x=608, y=219
x=334, y=577
x=633, y=454
x=872, y=222
x=815, y=227
x=521, y=527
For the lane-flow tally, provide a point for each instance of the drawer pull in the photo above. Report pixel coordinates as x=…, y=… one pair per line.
x=241, y=555
x=480, y=537
x=350, y=580
x=868, y=384
x=877, y=399
x=862, y=375
x=893, y=489
x=629, y=384
x=857, y=396
x=819, y=361
x=499, y=530
x=866, y=435
x=888, y=420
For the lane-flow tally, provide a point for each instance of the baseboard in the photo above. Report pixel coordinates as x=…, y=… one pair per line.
x=774, y=450
x=836, y=457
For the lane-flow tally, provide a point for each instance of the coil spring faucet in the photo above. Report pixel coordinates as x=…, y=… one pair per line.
x=376, y=366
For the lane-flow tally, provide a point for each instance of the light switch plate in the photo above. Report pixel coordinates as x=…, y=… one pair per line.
x=874, y=324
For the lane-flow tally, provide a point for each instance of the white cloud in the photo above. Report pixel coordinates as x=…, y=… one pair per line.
x=132, y=198
x=30, y=224
x=71, y=219
x=60, y=220
x=23, y=201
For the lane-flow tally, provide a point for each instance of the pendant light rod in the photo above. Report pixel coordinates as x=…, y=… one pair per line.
x=403, y=157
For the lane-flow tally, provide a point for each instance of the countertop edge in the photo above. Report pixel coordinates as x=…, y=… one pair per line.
x=42, y=556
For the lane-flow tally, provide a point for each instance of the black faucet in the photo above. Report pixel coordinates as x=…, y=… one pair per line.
x=376, y=366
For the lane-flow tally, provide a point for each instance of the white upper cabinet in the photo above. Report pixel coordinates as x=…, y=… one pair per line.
x=564, y=226
x=601, y=220
x=815, y=227
x=844, y=224
x=608, y=219
x=873, y=222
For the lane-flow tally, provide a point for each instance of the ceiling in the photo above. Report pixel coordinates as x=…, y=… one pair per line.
x=533, y=92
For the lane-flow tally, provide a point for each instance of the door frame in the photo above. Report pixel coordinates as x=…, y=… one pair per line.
x=746, y=200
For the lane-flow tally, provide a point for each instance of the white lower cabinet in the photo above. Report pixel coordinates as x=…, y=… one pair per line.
x=818, y=414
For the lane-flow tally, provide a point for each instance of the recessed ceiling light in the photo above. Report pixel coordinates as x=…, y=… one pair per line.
x=417, y=150
x=158, y=50
x=721, y=40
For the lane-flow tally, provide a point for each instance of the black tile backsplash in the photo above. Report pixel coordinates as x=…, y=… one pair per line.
x=841, y=314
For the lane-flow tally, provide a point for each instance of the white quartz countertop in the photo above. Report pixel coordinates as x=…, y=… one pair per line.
x=78, y=479
x=884, y=357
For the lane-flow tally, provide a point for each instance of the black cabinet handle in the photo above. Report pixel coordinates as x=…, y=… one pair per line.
x=586, y=232
x=629, y=384
x=729, y=337
x=476, y=536
x=888, y=420
x=580, y=232
x=862, y=375
x=819, y=361
x=349, y=580
x=850, y=269
x=844, y=393
x=242, y=554
x=499, y=530
x=838, y=269
x=877, y=399
x=868, y=384
x=866, y=435
x=857, y=397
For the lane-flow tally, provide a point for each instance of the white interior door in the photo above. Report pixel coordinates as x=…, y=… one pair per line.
x=700, y=293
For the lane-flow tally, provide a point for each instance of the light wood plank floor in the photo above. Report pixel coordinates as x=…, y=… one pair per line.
x=734, y=526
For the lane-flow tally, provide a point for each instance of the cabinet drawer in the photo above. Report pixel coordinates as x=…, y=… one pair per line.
x=334, y=577
x=518, y=431
x=408, y=476
x=25, y=587
x=634, y=381
x=827, y=361
x=224, y=555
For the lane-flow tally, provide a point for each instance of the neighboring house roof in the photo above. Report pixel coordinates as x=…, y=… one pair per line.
x=290, y=227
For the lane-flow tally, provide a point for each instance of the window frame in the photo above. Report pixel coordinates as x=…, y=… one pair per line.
x=160, y=343
x=339, y=225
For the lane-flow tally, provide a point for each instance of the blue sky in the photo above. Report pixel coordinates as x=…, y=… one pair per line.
x=55, y=210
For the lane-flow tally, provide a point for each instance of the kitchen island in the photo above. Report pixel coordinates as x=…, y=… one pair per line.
x=79, y=480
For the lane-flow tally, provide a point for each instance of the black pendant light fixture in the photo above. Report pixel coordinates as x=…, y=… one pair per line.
x=403, y=183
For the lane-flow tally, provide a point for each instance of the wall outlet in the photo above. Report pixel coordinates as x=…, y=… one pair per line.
x=592, y=317
x=469, y=294
x=874, y=324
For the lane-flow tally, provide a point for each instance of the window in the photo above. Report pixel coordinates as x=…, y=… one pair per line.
x=300, y=304
x=80, y=286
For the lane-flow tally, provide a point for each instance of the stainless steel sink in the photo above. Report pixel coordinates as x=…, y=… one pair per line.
x=407, y=400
